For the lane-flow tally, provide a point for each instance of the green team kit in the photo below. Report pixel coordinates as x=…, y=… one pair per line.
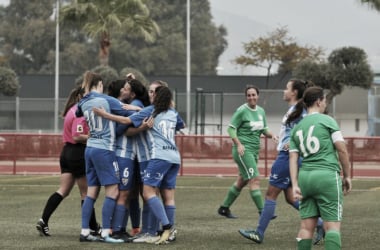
x=319, y=175
x=249, y=124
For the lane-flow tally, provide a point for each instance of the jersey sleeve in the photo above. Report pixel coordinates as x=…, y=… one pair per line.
x=79, y=127
x=138, y=117
x=236, y=118
x=180, y=123
x=116, y=107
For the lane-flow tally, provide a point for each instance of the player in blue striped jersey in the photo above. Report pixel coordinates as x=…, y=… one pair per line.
x=165, y=160
x=101, y=164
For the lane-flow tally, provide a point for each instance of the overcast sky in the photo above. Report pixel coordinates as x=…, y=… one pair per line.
x=330, y=24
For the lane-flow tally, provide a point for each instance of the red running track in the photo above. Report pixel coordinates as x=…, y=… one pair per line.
x=190, y=168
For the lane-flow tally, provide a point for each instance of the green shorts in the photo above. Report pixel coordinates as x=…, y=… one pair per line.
x=247, y=163
x=322, y=194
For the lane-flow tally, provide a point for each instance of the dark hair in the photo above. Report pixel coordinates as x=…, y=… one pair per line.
x=162, y=101
x=300, y=86
x=113, y=88
x=140, y=91
x=90, y=80
x=251, y=87
x=75, y=95
x=310, y=96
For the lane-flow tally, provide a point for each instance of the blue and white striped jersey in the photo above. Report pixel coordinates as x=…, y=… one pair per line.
x=125, y=145
x=102, y=130
x=161, y=138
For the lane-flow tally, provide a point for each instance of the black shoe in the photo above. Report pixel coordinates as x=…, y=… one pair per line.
x=126, y=237
x=225, y=211
x=42, y=228
x=251, y=235
x=88, y=238
x=96, y=231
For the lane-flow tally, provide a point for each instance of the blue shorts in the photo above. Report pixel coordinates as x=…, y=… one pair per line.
x=143, y=165
x=126, y=171
x=101, y=167
x=280, y=174
x=161, y=174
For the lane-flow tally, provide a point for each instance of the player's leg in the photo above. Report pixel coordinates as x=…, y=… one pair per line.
x=232, y=194
x=305, y=234
x=268, y=212
x=66, y=183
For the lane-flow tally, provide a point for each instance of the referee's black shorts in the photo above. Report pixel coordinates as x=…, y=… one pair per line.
x=72, y=159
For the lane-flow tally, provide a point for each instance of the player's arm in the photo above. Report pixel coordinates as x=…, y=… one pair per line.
x=293, y=168
x=269, y=134
x=232, y=132
x=103, y=113
x=341, y=148
x=145, y=125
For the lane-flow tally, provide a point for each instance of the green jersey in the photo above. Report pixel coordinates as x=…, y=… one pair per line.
x=249, y=124
x=311, y=138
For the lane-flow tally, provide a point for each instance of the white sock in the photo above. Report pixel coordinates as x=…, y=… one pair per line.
x=106, y=232
x=85, y=232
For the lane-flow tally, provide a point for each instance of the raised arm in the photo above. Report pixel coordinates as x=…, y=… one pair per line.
x=120, y=119
x=145, y=125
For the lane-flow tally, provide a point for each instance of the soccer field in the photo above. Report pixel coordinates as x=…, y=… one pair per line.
x=199, y=226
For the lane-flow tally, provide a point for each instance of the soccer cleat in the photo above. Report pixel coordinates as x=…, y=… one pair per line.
x=164, y=237
x=42, y=228
x=320, y=234
x=122, y=235
x=251, y=235
x=96, y=231
x=172, y=235
x=146, y=238
x=88, y=238
x=110, y=239
x=225, y=211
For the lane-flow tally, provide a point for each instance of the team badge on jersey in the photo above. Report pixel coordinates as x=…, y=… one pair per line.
x=79, y=128
x=124, y=181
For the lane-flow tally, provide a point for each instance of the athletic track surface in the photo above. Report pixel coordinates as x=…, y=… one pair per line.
x=190, y=167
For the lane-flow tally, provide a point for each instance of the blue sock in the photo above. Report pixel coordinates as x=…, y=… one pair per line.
x=170, y=212
x=144, y=218
x=266, y=215
x=107, y=212
x=135, y=212
x=158, y=210
x=118, y=218
x=125, y=221
x=87, y=208
x=296, y=205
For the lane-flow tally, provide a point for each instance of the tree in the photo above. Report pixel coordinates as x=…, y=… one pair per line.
x=100, y=18
x=27, y=33
x=347, y=66
x=277, y=48
x=9, y=84
x=167, y=55
x=78, y=52
x=374, y=4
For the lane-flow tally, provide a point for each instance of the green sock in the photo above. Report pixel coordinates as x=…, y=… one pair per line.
x=332, y=240
x=257, y=199
x=304, y=244
x=232, y=194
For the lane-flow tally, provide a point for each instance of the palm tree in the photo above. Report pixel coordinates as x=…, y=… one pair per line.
x=98, y=18
x=374, y=4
